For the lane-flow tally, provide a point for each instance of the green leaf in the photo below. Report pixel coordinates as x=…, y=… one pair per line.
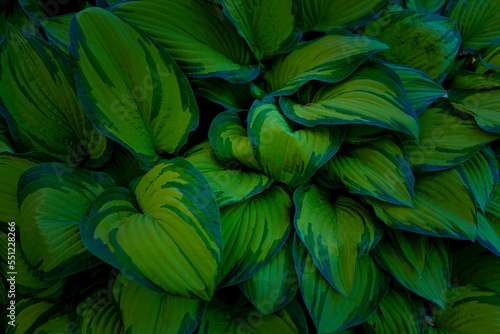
x=57, y=30
x=358, y=134
x=11, y=167
x=222, y=317
x=474, y=264
x=465, y=80
x=330, y=311
x=167, y=237
x=489, y=58
x=324, y=15
x=253, y=231
x=470, y=310
x=233, y=97
x=197, y=34
x=331, y=58
x=5, y=144
x=432, y=284
x=147, y=311
x=44, y=9
x=379, y=168
x=98, y=315
x=285, y=152
x=425, y=6
x=151, y=110
x=275, y=286
x=414, y=247
x=229, y=183
x=230, y=141
x=374, y=95
x=447, y=139
x=426, y=42
x=13, y=14
x=444, y=207
x=53, y=197
x=484, y=105
x=489, y=224
x=121, y=166
x=478, y=21
x=39, y=100
x=399, y=312
x=336, y=231
x=481, y=173
x=422, y=91
x=269, y=26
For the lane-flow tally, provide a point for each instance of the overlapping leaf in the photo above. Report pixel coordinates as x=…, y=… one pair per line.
x=374, y=95
x=147, y=311
x=197, y=34
x=253, y=231
x=97, y=315
x=331, y=58
x=170, y=241
x=489, y=224
x=444, y=207
x=426, y=42
x=414, y=247
x=379, y=169
x=270, y=26
x=52, y=199
x=233, y=97
x=229, y=183
x=275, y=285
x=489, y=58
x=432, y=284
x=130, y=87
x=40, y=103
x=284, y=151
x=330, y=311
x=337, y=232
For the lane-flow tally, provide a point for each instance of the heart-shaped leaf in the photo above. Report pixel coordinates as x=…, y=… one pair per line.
x=331, y=58
x=330, y=311
x=374, y=95
x=229, y=183
x=170, y=241
x=444, y=207
x=285, y=152
x=270, y=26
x=432, y=284
x=379, y=169
x=253, y=231
x=196, y=33
x=53, y=198
x=426, y=42
x=148, y=107
x=336, y=231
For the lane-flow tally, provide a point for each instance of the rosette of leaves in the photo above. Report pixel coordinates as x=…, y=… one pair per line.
x=236, y=166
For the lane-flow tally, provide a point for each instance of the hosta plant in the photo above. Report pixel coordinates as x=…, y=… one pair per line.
x=237, y=166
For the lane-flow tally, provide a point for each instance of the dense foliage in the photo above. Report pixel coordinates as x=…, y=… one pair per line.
x=237, y=166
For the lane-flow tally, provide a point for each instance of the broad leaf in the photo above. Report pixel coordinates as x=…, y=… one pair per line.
x=270, y=26
x=148, y=107
x=324, y=15
x=489, y=224
x=229, y=183
x=57, y=30
x=447, y=139
x=331, y=58
x=197, y=34
x=42, y=9
x=374, y=95
x=337, y=232
x=98, y=315
x=379, y=169
x=273, y=287
x=253, y=231
x=470, y=310
x=39, y=100
x=399, y=312
x=466, y=80
x=414, y=247
x=233, y=97
x=147, y=311
x=230, y=141
x=475, y=265
x=432, y=284
x=444, y=207
x=330, y=311
x=489, y=58
x=426, y=6
x=478, y=21
x=426, y=42
x=167, y=237
x=53, y=197
x=285, y=152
